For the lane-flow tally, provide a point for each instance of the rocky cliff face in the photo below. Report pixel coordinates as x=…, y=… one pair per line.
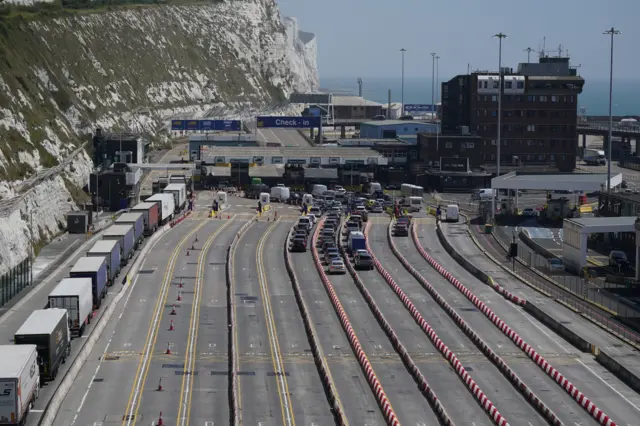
x=131, y=68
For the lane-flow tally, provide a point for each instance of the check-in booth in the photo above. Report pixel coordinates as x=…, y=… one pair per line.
x=221, y=197
x=265, y=200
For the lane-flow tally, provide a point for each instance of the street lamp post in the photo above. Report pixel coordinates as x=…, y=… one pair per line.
x=433, y=74
x=611, y=32
x=402, y=90
x=499, y=36
x=437, y=82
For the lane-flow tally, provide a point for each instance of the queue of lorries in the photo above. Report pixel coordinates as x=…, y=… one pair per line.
x=43, y=342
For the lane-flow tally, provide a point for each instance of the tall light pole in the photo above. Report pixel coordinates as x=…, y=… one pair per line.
x=437, y=81
x=402, y=90
x=499, y=36
x=433, y=75
x=611, y=32
x=528, y=50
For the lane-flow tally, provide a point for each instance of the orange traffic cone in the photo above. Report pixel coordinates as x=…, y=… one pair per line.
x=168, y=351
x=160, y=388
x=179, y=295
x=160, y=421
x=171, y=325
x=173, y=310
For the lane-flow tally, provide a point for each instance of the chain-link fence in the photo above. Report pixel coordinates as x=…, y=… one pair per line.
x=533, y=265
x=14, y=281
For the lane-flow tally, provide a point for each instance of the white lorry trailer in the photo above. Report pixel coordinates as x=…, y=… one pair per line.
x=19, y=382
x=74, y=295
x=167, y=205
x=179, y=191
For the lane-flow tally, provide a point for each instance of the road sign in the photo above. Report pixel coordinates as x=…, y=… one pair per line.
x=418, y=108
x=207, y=125
x=289, y=122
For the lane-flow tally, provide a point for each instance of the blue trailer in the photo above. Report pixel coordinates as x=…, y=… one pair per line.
x=110, y=251
x=96, y=269
x=356, y=241
x=135, y=219
x=125, y=235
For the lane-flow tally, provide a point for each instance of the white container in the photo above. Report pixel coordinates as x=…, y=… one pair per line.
x=74, y=295
x=19, y=381
x=167, y=205
x=179, y=191
x=279, y=193
x=453, y=213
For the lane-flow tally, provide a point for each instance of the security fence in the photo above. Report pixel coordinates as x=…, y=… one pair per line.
x=14, y=281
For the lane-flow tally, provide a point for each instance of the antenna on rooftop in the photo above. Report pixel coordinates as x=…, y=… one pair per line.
x=559, y=51
x=529, y=50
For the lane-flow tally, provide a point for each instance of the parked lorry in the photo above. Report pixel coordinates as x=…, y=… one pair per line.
x=123, y=234
x=74, y=295
x=110, y=251
x=48, y=329
x=166, y=205
x=356, y=241
x=96, y=269
x=595, y=157
x=135, y=219
x=19, y=382
x=280, y=194
x=179, y=192
x=150, y=216
x=254, y=191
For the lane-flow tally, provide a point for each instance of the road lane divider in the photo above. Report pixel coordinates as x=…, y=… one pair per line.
x=410, y=365
x=55, y=403
x=502, y=366
x=235, y=412
x=276, y=353
x=383, y=401
x=316, y=348
x=450, y=356
x=133, y=404
x=184, y=406
x=601, y=417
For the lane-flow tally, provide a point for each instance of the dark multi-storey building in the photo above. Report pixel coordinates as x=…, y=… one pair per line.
x=539, y=116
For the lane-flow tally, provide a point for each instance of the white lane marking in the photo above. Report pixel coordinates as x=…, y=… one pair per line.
x=106, y=349
x=609, y=385
x=36, y=411
x=273, y=335
x=554, y=340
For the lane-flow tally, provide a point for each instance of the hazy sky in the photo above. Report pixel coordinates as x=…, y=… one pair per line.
x=362, y=37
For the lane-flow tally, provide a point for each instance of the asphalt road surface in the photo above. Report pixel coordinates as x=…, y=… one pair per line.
x=286, y=137
x=278, y=380
x=122, y=374
x=495, y=386
x=353, y=389
x=566, y=359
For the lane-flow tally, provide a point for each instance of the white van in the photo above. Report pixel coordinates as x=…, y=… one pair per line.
x=415, y=204
x=280, y=194
x=318, y=190
x=485, y=194
x=453, y=213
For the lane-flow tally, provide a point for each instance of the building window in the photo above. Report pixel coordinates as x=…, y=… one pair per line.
x=478, y=113
x=531, y=98
x=553, y=129
x=507, y=98
x=531, y=113
x=494, y=98
x=571, y=98
x=529, y=142
x=520, y=85
x=566, y=99
x=508, y=85
x=552, y=157
x=448, y=145
x=493, y=157
x=542, y=113
x=485, y=112
x=493, y=142
x=494, y=113
x=543, y=99
x=554, y=99
x=518, y=98
x=507, y=113
x=531, y=128
x=496, y=84
x=479, y=84
x=518, y=113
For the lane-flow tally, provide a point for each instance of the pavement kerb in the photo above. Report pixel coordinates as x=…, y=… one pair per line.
x=53, y=406
x=375, y=385
x=234, y=411
x=451, y=357
x=544, y=365
x=316, y=347
x=410, y=365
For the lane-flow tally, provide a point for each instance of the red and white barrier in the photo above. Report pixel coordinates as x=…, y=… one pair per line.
x=180, y=219
x=374, y=383
x=413, y=369
x=578, y=396
x=506, y=371
x=486, y=404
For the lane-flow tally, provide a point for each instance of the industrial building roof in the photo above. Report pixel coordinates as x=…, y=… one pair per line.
x=230, y=151
x=339, y=100
x=218, y=170
x=379, y=123
x=588, y=182
x=606, y=224
x=266, y=171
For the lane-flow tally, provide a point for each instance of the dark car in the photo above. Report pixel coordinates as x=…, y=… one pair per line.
x=363, y=260
x=299, y=245
x=618, y=258
x=299, y=234
x=401, y=230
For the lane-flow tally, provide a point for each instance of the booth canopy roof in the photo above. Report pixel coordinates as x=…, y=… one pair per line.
x=593, y=225
x=587, y=182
